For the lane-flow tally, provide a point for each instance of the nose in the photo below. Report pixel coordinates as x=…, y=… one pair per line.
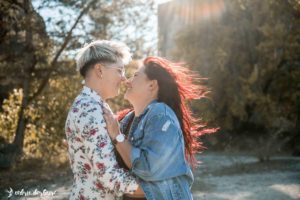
x=128, y=82
x=123, y=74
x=123, y=78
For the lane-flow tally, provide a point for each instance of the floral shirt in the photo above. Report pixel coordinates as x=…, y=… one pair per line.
x=93, y=162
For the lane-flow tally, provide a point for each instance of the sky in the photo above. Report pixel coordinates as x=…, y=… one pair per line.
x=68, y=15
x=50, y=13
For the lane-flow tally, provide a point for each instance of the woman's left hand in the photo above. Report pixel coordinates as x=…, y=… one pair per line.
x=112, y=123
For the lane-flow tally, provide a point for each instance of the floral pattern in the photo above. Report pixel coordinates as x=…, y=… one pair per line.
x=97, y=174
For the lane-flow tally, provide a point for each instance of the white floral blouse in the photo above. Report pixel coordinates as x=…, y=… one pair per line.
x=93, y=162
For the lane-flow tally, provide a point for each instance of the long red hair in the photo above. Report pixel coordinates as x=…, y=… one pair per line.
x=177, y=86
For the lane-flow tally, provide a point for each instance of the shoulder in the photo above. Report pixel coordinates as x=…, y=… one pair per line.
x=160, y=109
x=84, y=101
x=161, y=117
x=85, y=104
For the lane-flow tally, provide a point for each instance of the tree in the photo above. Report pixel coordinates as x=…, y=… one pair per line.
x=44, y=58
x=251, y=59
x=23, y=33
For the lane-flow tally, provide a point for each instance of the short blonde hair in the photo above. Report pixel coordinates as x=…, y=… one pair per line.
x=102, y=51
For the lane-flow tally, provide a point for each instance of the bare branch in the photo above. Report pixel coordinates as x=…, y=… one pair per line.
x=63, y=46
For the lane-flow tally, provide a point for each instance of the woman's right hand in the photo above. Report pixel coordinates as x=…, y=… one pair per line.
x=113, y=128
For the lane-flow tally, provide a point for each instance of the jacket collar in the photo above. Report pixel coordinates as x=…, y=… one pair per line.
x=147, y=108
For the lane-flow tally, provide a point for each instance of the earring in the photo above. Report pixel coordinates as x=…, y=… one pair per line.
x=100, y=73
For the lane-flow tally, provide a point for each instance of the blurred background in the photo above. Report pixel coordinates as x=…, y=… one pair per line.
x=247, y=51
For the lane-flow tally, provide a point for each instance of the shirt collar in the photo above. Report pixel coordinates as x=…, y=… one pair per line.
x=147, y=108
x=92, y=93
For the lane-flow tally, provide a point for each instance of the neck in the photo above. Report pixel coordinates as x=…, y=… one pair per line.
x=94, y=85
x=139, y=107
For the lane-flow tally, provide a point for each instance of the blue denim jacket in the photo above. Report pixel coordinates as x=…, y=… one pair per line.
x=157, y=154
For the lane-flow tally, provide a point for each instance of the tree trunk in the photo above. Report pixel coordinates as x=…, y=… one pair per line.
x=10, y=153
x=20, y=131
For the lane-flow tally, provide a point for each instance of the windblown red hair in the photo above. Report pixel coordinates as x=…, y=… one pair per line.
x=177, y=86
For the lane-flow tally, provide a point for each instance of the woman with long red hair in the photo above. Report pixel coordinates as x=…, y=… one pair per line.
x=161, y=134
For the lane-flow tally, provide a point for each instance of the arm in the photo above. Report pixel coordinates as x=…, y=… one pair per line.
x=157, y=152
x=124, y=149
x=113, y=127
x=160, y=139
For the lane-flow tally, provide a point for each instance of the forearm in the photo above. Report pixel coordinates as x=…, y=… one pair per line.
x=124, y=149
x=123, y=146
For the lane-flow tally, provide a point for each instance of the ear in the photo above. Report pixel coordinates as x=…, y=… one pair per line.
x=98, y=68
x=153, y=85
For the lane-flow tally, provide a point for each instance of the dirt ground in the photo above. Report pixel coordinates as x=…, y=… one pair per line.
x=239, y=177
x=221, y=176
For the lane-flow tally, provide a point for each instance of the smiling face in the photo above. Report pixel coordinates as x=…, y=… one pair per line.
x=139, y=87
x=112, y=76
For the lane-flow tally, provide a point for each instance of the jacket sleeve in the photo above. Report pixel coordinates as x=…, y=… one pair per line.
x=100, y=152
x=155, y=154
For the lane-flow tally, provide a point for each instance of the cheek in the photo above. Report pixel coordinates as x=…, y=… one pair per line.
x=112, y=78
x=139, y=86
x=136, y=84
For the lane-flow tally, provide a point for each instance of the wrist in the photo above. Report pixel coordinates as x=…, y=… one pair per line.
x=114, y=135
x=118, y=138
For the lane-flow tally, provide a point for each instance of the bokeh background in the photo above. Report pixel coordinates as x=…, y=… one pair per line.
x=246, y=51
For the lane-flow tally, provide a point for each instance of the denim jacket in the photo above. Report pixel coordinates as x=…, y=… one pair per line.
x=157, y=154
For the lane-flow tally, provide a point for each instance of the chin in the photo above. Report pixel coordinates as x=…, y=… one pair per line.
x=127, y=96
x=116, y=94
x=113, y=94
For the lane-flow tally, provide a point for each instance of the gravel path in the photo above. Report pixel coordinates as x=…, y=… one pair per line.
x=219, y=177
x=236, y=177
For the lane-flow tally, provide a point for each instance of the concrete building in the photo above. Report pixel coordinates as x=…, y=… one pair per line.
x=177, y=15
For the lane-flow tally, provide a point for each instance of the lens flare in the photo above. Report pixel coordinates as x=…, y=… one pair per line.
x=194, y=11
